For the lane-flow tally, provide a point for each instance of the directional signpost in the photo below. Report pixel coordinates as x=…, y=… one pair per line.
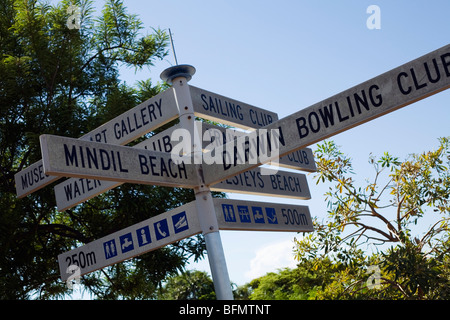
x=388, y=92
x=135, y=240
x=85, y=159
x=77, y=190
x=130, y=125
x=215, y=107
x=100, y=163
x=177, y=224
x=99, y=156
x=262, y=216
x=277, y=184
x=300, y=160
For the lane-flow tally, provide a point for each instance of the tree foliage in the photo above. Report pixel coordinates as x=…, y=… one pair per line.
x=404, y=210
x=188, y=285
x=63, y=81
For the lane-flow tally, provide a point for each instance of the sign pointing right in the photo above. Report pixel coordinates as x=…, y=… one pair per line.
x=385, y=93
x=262, y=216
x=177, y=224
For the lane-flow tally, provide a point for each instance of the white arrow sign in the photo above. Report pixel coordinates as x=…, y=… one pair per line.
x=127, y=127
x=390, y=91
x=84, y=159
x=177, y=224
x=77, y=190
x=135, y=240
x=301, y=159
x=215, y=107
x=262, y=216
x=275, y=184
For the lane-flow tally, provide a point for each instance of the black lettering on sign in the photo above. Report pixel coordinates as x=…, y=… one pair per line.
x=81, y=259
x=163, y=144
x=249, y=178
x=205, y=103
x=99, y=137
x=292, y=216
x=70, y=156
x=375, y=99
x=285, y=183
x=303, y=130
x=143, y=164
x=137, y=120
x=446, y=64
x=159, y=167
x=104, y=157
x=400, y=85
x=225, y=108
x=143, y=116
x=431, y=72
x=299, y=156
x=436, y=72
x=167, y=144
x=261, y=144
x=259, y=118
x=32, y=176
x=92, y=158
x=338, y=111
x=79, y=187
x=88, y=157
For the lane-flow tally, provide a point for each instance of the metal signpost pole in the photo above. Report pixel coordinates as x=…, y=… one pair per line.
x=178, y=76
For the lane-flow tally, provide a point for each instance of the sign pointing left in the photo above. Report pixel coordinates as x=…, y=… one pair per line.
x=148, y=235
x=69, y=157
x=124, y=128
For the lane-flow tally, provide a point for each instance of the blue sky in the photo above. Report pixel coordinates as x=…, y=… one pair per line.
x=286, y=55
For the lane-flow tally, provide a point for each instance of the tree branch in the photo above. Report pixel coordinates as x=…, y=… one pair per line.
x=431, y=231
x=99, y=52
x=396, y=284
x=386, y=221
x=399, y=206
x=63, y=230
x=384, y=234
